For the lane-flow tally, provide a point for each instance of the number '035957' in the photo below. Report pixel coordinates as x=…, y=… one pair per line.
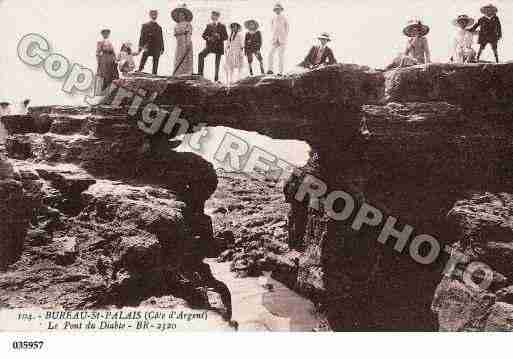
x=27, y=345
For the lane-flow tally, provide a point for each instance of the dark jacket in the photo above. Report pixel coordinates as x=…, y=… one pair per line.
x=252, y=42
x=327, y=58
x=151, y=38
x=490, y=30
x=215, y=36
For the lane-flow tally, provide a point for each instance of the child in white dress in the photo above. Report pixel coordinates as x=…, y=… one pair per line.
x=234, y=54
x=463, y=40
x=125, y=59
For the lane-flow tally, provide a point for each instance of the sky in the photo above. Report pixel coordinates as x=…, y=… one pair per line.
x=366, y=32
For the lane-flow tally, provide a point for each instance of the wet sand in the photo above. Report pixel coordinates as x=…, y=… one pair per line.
x=256, y=308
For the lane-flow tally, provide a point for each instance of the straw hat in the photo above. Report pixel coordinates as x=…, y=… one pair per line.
x=182, y=9
x=489, y=8
x=278, y=6
x=415, y=27
x=325, y=36
x=463, y=18
x=251, y=24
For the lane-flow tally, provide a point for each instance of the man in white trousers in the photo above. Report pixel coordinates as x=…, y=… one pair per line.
x=280, y=32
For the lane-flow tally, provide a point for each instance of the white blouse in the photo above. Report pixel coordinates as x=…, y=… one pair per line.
x=463, y=40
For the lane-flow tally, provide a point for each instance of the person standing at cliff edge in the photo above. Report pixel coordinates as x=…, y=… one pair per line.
x=463, y=51
x=234, y=59
x=280, y=33
x=490, y=30
x=183, y=32
x=107, y=62
x=151, y=42
x=253, y=44
x=215, y=35
x=417, y=45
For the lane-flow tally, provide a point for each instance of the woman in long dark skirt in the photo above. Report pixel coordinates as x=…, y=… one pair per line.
x=106, y=57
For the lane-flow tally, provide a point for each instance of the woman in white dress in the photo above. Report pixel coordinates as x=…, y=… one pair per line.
x=126, y=62
x=183, y=32
x=234, y=54
x=463, y=40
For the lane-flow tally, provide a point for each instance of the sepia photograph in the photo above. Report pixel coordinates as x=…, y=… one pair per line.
x=255, y=166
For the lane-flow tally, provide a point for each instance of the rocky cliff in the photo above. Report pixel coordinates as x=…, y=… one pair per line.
x=430, y=146
x=98, y=215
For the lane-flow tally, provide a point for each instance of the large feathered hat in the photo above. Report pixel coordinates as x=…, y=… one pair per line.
x=251, y=24
x=182, y=9
x=415, y=28
x=463, y=19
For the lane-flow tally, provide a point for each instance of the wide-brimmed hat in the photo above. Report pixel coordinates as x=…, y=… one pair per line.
x=489, y=7
x=251, y=24
x=324, y=36
x=278, y=6
x=465, y=19
x=4, y=103
x=236, y=24
x=182, y=9
x=216, y=13
x=415, y=27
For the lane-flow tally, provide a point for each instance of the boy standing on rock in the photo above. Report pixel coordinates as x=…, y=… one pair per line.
x=490, y=30
x=253, y=44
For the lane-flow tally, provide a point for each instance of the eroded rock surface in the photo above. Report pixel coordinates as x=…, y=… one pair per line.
x=484, y=234
x=13, y=214
x=114, y=218
x=447, y=134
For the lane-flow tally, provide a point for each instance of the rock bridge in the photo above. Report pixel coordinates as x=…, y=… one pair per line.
x=432, y=136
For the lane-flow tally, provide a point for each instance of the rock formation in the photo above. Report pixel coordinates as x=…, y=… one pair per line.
x=13, y=214
x=411, y=143
x=112, y=220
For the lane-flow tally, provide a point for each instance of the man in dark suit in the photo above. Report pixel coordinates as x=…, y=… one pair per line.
x=151, y=42
x=490, y=30
x=215, y=35
x=319, y=55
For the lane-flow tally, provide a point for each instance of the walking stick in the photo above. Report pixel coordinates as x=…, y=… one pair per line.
x=182, y=60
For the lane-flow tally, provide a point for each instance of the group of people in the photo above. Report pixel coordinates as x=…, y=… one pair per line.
x=417, y=46
x=233, y=45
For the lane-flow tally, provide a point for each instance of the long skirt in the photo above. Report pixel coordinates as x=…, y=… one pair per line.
x=107, y=69
x=234, y=59
x=183, y=56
